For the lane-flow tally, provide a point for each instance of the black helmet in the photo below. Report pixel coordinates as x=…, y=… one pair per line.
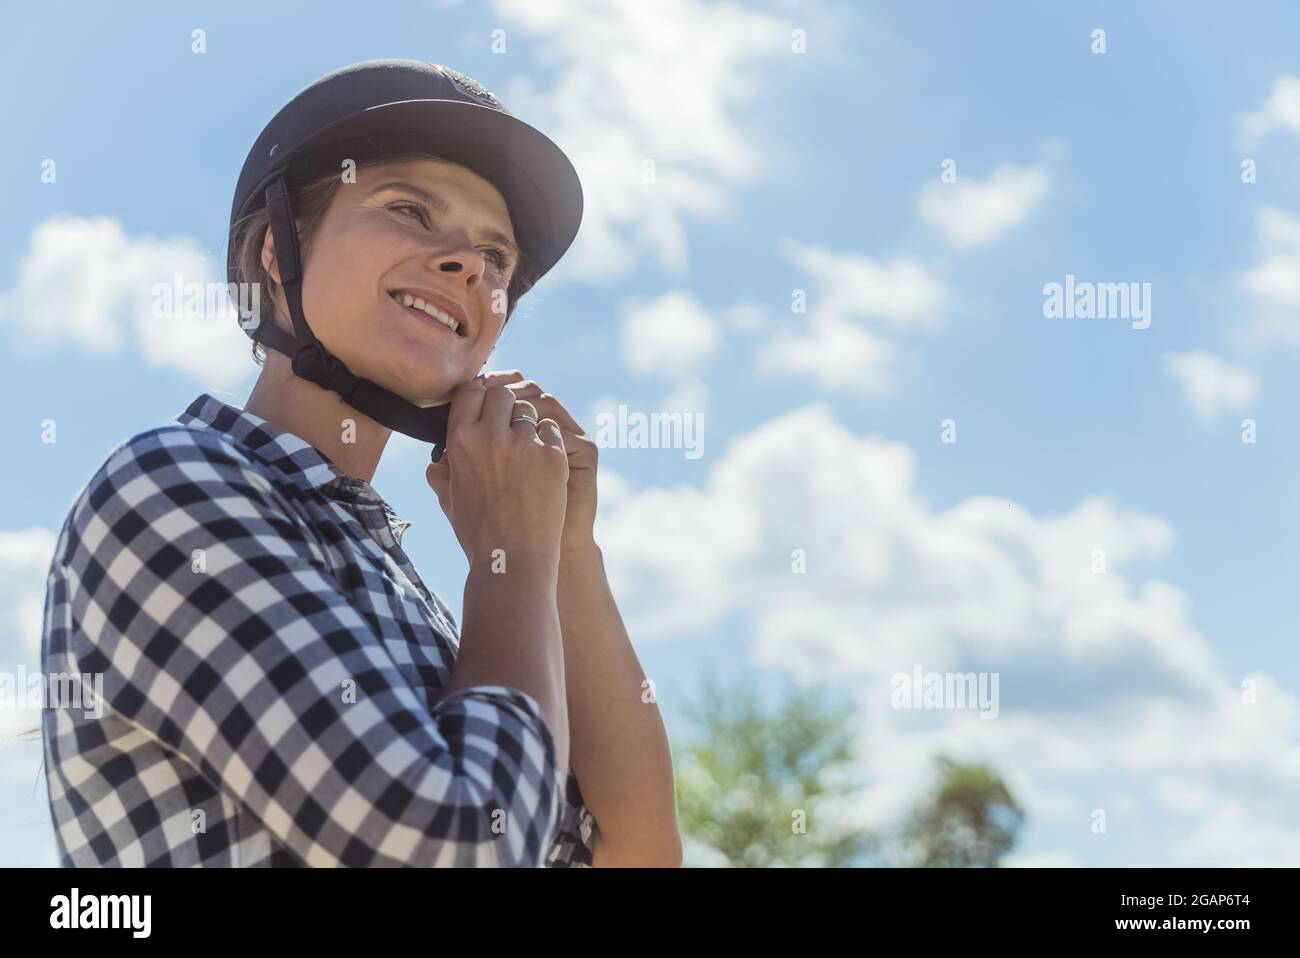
x=379, y=108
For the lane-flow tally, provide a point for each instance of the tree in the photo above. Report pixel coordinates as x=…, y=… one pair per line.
x=765, y=787
x=970, y=821
x=760, y=787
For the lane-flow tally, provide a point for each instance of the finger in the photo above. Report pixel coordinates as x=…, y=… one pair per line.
x=497, y=377
x=548, y=431
x=522, y=383
x=523, y=418
x=466, y=405
x=548, y=405
x=498, y=407
x=438, y=476
x=438, y=473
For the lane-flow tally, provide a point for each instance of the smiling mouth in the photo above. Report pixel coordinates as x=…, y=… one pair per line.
x=427, y=310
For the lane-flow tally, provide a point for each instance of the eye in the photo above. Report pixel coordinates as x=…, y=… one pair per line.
x=421, y=213
x=500, y=258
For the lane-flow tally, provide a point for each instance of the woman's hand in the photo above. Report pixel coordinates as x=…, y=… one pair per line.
x=501, y=486
x=582, y=452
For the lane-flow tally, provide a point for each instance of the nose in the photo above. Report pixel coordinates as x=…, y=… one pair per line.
x=466, y=261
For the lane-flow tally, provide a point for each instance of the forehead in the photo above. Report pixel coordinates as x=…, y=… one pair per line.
x=462, y=188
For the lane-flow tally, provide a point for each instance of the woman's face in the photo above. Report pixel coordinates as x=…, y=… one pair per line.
x=427, y=228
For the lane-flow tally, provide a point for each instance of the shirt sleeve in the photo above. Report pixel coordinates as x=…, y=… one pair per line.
x=575, y=838
x=219, y=630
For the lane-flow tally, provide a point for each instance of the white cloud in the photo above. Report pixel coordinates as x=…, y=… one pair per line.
x=668, y=336
x=24, y=564
x=690, y=394
x=745, y=317
x=26, y=833
x=1058, y=859
x=901, y=293
x=69, y=290
x=1211, y=385
x=1231, y=831
x=84, y=282
x=1280, y=111
x=1275, y=278
x=831, y=342
x=973, y=213
x=833, y=352
x=1273, y=283
x=24, y=561
x=1106, y=687
x=665, y=82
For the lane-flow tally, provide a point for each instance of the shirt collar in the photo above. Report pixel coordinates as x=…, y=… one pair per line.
x=297, y=460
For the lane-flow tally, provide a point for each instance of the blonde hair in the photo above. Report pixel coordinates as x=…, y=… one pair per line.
x=310, y=201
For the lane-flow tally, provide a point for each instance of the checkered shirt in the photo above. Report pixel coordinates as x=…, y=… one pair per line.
x=272, y=671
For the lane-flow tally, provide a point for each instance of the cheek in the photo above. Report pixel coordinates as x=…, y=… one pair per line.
x=340, y=294
x=493, y=321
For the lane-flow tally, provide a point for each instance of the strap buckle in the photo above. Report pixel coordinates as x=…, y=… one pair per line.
x=312, y=363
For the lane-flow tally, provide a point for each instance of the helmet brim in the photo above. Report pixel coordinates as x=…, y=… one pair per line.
x=537, y=181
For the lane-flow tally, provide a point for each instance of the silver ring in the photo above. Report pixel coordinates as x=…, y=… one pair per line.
x=518, y=407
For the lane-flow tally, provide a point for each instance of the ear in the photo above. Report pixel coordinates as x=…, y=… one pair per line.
x=268, y=257
x=269, y=262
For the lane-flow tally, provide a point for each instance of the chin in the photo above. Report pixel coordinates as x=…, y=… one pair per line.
x=422, y=372
x=428, y=386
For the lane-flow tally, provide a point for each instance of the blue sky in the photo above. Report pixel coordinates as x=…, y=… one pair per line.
x=778, y=171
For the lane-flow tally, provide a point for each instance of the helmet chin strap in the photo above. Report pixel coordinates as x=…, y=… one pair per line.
x=314, y=363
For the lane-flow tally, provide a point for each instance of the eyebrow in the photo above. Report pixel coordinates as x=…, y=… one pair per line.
x=439, y=203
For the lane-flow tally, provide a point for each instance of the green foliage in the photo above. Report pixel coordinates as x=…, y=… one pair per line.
x=761, y=787
x=755, y=787
x=970, y=821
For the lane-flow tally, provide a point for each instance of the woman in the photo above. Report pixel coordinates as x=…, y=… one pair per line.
x=280, y=687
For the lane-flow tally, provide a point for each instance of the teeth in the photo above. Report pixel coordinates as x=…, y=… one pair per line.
x=406, y=299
